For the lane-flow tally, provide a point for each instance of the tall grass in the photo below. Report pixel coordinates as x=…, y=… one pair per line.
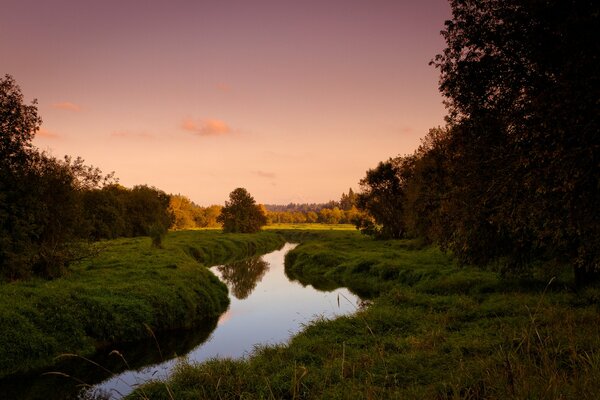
x=434, y=330
x=111, y=297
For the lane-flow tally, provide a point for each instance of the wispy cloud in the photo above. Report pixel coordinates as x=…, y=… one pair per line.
x=223, y=87
x=263, y=174
x=67, y=105
x=46, y=134
x=206, y=127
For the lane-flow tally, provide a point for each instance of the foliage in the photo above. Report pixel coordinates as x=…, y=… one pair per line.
x=40, y=218
x=241, y=214
x=343, y=211
x=347, y=201
x=51, y=209
x=18, y=124
x=382, y=197
x=513, y=178
x=188, y=215
x=522, y=83
x=109, y=298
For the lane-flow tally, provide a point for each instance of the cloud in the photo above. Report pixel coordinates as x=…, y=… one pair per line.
x=46, y=134
x=263, y=174
x=223, y=87
x=66, y=105
x=206, y=127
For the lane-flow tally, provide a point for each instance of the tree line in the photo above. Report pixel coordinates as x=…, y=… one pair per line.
x=51, y=210
x=513, y=178
x=343, y=211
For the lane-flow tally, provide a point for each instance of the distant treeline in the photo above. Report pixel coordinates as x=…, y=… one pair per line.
x=188, y=215
x=53, y=211
x=343, y=211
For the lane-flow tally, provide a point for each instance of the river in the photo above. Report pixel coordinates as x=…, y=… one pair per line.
x=266, y=308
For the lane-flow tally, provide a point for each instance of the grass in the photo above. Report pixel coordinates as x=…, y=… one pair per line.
x=434, y=330
x=311, y=227
x=115, y=297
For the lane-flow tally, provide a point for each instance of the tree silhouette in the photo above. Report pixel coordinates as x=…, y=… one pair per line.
x=241, y=214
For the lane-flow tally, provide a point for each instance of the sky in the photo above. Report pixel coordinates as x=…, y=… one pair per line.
x=292, y=100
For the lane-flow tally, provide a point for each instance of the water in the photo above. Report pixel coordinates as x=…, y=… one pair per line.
x=266, y=308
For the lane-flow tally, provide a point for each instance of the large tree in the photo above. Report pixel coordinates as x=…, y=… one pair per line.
x=241, y=213
x=521, y=80
x=18, y=124
x=382, y=198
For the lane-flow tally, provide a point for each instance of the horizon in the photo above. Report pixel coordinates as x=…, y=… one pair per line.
x=294, y=102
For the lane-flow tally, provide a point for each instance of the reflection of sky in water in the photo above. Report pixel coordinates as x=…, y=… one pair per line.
x=274, y=311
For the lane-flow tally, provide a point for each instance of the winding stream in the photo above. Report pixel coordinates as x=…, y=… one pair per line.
x=266, y=308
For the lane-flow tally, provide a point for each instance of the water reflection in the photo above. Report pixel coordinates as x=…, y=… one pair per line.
x=242, y=277
x=265, y=308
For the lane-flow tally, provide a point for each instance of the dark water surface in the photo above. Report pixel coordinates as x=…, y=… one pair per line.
x=266, y=308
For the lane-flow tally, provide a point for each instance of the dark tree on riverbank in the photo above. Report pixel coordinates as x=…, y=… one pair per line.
x=522, y=85
x=51, y=209
x=382, y=197
x=241, y=214
x=39, y=214
x=514, y=177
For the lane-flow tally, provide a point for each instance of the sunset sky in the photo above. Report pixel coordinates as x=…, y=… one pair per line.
x=293, y=100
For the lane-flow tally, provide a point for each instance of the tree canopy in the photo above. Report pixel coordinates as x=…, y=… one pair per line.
x=241, y=214
x=52, y=209
x=514, y=177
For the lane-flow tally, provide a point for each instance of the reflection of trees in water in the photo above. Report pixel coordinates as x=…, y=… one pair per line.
x=243, y=276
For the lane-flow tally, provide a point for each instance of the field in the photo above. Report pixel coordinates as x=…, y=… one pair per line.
x=433, y=329
x=119, y=295
x=311, y=227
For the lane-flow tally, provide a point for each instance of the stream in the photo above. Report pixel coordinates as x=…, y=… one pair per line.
x=266, y=308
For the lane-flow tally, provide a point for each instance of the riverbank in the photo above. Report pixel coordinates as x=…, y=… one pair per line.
x=433, y=330
x=118, y=296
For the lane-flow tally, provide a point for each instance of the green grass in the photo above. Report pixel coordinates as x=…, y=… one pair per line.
x=117, y=295
x=312, y=227
x=434, y=330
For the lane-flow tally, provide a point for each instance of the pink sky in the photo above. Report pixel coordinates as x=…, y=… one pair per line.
x=293, y=100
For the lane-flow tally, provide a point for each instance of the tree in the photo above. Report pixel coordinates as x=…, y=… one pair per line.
x=147, y=211
x=347, y=201
x=522, y=84
x=241, y=214
x=184, y=211
x=18, y=124
x=382, y=198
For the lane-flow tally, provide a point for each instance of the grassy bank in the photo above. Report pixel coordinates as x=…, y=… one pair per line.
x=113, y=297
x=434, y=330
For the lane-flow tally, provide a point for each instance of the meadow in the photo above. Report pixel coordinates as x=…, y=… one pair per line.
x=432, y=329
x=127, y=291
